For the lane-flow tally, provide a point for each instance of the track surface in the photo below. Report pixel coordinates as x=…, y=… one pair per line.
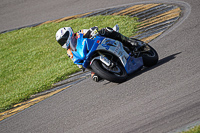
x=158, y=99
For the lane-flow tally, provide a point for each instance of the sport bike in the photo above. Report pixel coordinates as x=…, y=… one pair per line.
x=109, y=59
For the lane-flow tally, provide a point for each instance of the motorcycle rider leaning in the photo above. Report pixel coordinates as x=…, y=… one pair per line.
x=66, y=34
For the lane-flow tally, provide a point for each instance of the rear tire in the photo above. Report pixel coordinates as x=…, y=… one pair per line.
x=150, y=58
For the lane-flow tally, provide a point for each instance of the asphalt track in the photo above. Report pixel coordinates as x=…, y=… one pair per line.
x=163, y=98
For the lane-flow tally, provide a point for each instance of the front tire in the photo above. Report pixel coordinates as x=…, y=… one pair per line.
x=115, y=74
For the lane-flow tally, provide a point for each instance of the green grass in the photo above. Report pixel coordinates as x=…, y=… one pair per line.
x=196, y=129
x=31, y=60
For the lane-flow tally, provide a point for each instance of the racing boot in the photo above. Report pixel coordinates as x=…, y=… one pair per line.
x=131, y=43
x=138, y=43
x=128, y=42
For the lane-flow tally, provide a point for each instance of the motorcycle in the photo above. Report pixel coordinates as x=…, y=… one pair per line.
x=109, y=59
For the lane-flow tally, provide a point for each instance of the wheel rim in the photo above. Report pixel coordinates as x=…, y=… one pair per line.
x=115, y=69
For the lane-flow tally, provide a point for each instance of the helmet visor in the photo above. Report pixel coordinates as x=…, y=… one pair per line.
x=64, y=38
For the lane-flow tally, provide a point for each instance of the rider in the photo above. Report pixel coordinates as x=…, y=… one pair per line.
x=66, y=34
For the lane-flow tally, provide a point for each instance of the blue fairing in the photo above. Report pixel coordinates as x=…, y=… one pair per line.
x=91, y=46
x=133, y=64
x=85, y=47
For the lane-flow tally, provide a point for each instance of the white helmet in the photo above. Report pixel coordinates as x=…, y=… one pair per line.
x=63, y=36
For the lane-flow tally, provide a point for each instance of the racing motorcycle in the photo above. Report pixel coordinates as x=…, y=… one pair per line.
x=109, y=59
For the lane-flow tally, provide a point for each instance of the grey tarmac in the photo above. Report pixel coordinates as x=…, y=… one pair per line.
x=160, y=99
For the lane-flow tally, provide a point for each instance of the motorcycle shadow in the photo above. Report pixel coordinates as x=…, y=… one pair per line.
x=146, y=69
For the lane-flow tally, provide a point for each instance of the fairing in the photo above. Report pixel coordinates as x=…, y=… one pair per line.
x=86, y=47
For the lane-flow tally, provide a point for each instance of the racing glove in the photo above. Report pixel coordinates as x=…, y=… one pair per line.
x=94, y=31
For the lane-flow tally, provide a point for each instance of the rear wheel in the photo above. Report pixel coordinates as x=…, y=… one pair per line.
x=114, y=73
x=150, y=57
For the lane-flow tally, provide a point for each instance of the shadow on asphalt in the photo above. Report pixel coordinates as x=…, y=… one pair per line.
x=160, y=62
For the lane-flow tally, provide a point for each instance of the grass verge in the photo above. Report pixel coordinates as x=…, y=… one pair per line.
x=31, y=60
x=195, y=129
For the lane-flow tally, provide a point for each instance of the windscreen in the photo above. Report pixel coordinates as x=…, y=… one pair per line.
x=73, y=43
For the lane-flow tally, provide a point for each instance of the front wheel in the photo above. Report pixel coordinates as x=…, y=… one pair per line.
x=150, y=57
x=115, y=73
